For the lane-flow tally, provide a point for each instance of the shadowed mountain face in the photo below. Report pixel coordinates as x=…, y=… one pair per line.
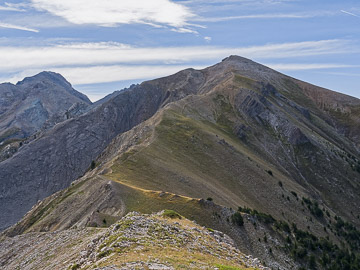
x=35, y=104
x=237, y=132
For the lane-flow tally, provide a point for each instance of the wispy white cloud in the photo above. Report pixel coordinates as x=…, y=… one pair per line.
x=258, y=2
x=111, y=61
x=11, y=7
x=347, y=74
x=80, y=54
x=350, y=13
x=300, y=15
x=38, y=20
x=184, y=30
x=255, y=16
x=297, y=66
x=105, y=74
x=94, y=45
x=111, y=13
x=17, y=27
x=299, y=49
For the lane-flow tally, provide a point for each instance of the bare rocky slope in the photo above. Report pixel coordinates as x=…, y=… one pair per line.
x=34, y=104
x=237, y=133
x=164, y=240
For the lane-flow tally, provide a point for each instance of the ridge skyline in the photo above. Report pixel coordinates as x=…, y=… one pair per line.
x=128, y=84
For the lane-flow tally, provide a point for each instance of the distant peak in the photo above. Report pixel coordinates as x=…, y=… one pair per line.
x=245, y=66
x=46, y=75
x=236, y=58
x=49, y=78
x=51, y=74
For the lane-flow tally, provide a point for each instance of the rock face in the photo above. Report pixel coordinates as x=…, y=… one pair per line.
x=27, y=106
x=163, y=240
x=35, y=104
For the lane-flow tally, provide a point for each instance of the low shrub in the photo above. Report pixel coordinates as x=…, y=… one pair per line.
x=171, y=214
x=237, y=219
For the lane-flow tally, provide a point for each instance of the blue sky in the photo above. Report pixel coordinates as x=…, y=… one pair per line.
x=103, y=46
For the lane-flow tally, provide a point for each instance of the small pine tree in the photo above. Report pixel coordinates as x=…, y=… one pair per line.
x=237, y=219
x=93, y=165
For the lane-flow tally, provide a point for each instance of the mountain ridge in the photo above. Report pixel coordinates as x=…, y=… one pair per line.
x=195, y=78
x=237, y=133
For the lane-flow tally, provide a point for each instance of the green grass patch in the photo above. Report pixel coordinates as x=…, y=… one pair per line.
x=226, y=267
x=44, y=211
x=171, y=214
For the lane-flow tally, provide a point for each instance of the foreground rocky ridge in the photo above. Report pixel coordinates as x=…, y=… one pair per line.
x=164, y=240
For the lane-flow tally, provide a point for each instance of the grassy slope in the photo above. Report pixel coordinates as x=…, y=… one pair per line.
x=201, y=159
x=196, y=159
x=199, y=156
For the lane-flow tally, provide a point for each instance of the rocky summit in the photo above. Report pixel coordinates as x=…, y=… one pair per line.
x=241, y=149
x=33, y=105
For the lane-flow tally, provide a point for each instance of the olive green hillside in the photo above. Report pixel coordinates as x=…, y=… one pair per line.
x=235, y=145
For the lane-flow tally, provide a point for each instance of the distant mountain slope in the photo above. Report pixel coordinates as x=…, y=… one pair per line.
x=65, y=152
x=34, y=104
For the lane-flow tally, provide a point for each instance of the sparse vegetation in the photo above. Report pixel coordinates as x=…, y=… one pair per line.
x=237, y=219
x=265, y=218
x=225, y=267
x=313, y=207
x=171, y=214
x=104, y=253
x=93, y=165
x=75, y=266
x=282, y=226
x=311, y=251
